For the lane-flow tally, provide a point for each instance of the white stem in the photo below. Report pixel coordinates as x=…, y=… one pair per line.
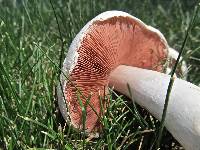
x=149, y=90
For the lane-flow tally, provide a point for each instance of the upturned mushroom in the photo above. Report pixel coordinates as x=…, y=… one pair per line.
x=111, y=39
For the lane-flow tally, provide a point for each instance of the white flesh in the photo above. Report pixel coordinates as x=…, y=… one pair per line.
x=149, y=90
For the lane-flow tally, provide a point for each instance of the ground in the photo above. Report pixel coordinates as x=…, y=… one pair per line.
x=30, y=55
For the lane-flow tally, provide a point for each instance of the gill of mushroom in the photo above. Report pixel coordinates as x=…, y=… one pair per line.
x=111, y=39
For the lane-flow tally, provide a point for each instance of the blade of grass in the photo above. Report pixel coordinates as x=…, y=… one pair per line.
x=137, y=114
x=162, y=124
x=83, y=117
x=61, y=39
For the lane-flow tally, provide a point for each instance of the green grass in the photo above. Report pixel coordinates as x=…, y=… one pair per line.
x=30, y=52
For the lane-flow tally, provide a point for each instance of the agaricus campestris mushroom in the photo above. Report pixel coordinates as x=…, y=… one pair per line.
x=107, y=41
x=111, y=39
x=149, y=90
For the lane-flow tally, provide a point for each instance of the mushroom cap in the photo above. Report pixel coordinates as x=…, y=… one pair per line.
x=111, y=39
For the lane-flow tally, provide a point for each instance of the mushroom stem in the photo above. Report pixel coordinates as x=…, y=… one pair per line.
x=149, y=90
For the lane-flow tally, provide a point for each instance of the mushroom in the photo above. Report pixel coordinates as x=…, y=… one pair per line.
x=111, y=39
x=149, y=90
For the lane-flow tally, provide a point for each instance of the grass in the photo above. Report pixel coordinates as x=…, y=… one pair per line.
x=30, y=48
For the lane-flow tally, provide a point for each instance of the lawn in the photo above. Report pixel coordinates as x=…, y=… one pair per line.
x=31, y=44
